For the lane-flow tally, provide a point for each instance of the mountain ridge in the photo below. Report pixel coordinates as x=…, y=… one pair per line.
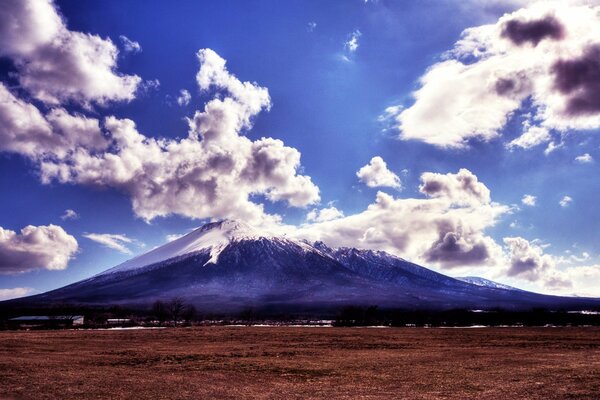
x=227, y=266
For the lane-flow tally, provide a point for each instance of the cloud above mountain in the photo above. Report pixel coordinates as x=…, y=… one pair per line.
x=546, y=53
x=212, y=173
x=112, y=241
x=55, y=64
x=35, y=247
x=377, y=174
x=446, y=228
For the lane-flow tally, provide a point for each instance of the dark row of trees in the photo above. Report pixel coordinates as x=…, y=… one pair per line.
x=373, y=316
x=174, y=311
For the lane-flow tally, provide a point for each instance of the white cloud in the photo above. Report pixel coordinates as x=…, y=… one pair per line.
x=28, y=132
x=170, y=238
x=584, y=159
x=529, y=200
x=13, y=293
x=110, y=240
x=210, y=174
x=129, y=45
x=377, y=174
x=311, y=26
x=57, y=65
x=584, y=281
x=552, y=147
x=446, y=229
x=565, y=201
x=69, y=214
x=184, y=98
x=351, y=45
x=35, y=247
x=533, y=53
x=533, y=136
x=324, y=214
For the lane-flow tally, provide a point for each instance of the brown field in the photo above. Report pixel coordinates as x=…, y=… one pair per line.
x=298, y=363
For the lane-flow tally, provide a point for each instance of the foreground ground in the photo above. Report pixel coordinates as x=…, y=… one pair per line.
x=288, y=363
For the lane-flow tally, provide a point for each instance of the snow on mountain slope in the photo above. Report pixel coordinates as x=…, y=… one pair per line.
x=213, y=236
x=475, y=280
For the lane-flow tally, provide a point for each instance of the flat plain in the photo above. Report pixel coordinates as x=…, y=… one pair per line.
x=302, y=363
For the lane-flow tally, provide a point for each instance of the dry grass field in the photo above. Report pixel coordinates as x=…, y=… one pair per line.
x=302, y=363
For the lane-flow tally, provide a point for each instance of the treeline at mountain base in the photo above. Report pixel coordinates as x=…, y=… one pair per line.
x=178, y=313
x=373, y=316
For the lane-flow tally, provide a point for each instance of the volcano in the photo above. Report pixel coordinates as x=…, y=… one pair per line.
x=229, y=266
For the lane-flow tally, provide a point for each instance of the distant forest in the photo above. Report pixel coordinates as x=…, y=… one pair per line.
x=176, y=312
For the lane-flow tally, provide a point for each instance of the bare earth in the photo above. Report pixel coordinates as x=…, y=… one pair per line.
x=298, y=363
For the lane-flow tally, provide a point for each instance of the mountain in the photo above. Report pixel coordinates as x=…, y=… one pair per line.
x=229, y=266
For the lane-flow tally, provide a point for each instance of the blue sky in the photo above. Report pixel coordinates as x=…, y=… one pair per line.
x=328, y=101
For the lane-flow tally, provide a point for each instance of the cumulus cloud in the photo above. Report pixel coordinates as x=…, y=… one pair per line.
x=460, y=188
x=447, y=228
x=13, y=293
x=584, y=159
x=529, y=200
x=25, y=130
x=547, y=53
x=212, y=173
x=35, y=247
x=184, y=98
x=565, y=201
x=324, y=214
x=69, y=214
x=55, y=64
x=527, y=260
x=377, y=174
x=129, y=45
x=111, y=240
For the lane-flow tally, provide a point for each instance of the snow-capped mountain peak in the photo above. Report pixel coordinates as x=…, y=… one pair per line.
x=212, y=237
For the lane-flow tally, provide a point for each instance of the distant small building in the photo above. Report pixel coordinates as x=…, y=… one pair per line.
x=118, y=321
x=46, y=321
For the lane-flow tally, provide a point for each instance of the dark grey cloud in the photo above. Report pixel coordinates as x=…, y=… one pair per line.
x=514, y=85
x=524, y=265
x=520, y=32
x=452, y=250
x=579, y=79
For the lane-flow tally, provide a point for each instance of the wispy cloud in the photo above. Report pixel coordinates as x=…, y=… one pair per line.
x=129, y=45
x=69, y=214
x=584, y=159
x=565, y=201
x=351, y=45
x=112, y=241
x=184, y=97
